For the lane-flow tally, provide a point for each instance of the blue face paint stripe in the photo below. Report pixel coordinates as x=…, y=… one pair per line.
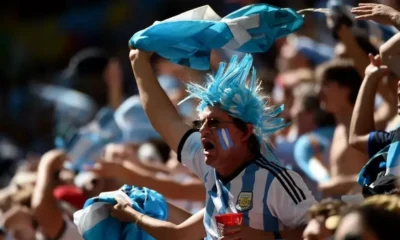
x=270, y=222
x=221, y=139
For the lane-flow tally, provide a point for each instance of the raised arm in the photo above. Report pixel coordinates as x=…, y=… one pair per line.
x=44, y=204
x=389, y=52
x=158, y=107
x=362, y=120
x=132, y=174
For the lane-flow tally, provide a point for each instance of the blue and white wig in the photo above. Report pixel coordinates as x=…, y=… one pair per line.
x=240, y=98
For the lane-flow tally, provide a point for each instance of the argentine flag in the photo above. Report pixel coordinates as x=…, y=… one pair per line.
x=95, y=222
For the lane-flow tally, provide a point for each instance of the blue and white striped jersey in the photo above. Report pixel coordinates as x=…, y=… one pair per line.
x=270, y=197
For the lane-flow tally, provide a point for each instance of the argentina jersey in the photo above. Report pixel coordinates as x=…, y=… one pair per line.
x=270, y=197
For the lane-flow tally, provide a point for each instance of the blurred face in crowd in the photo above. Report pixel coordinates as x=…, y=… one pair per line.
x=222, y=140
x=333, y=96
x=120, y=152
x=290, y=59
x=300, y=116
x=352, y=227
x=316, y=229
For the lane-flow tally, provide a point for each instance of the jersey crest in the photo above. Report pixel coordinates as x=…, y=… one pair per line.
x=244, y=201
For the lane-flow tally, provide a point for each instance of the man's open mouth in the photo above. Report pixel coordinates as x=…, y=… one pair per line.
x=208, y=145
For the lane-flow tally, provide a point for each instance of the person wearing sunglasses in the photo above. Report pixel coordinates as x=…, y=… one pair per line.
x=227, y=148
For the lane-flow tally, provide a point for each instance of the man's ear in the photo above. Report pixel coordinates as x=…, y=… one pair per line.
x=249, y=131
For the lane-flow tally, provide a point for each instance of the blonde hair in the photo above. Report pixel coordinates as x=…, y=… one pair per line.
x=390, y=203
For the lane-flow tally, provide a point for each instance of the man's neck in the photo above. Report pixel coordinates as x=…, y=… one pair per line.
x=234, y=164
x=344, y=116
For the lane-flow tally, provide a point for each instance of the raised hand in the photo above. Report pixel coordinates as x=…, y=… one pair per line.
x=375, y=68
x=376, y=12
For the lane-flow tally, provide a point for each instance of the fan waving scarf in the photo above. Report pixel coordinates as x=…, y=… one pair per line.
x=188, y=38
x=94, y=221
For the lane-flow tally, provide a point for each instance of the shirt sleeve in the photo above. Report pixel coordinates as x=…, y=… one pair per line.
x=377, y=140
x=289, y=199
x=304, y=156
x=190, y=153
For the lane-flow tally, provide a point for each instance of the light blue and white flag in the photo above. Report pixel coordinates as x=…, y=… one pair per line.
x=188, y=38
x=393, y=159
x=94, y=221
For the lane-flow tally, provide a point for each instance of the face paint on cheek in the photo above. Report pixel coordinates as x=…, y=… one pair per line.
x=224, y=138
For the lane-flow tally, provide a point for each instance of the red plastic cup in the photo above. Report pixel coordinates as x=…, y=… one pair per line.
x=228, y=220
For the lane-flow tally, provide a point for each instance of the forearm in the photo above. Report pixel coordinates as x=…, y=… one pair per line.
x=355, y=52
x=44, y=204
x=396, y=21
x=362, y=121
x=177, y=215
x=168, y=187
x=156, y=103
x=43, y=192
x=390, y=47
x=154, y=167
x=156, y=228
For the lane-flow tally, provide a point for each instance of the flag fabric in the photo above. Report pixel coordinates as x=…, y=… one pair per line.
x=188, y=38
x=94, y=221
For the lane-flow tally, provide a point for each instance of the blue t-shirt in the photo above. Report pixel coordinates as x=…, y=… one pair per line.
x=378, y=140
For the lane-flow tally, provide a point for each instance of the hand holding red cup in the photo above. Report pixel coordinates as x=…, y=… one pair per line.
x=228, y=220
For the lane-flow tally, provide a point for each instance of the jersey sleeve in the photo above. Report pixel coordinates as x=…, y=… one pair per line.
x=378, y=140
x=304, y=156
x=190, y=153
x=289, y=199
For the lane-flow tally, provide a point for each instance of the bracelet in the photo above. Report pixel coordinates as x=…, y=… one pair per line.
x=139, y=219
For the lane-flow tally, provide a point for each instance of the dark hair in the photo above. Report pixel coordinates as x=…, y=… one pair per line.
x=342, y=72
x=363, y=41
x=380, y=221
x=253, y=143
x=162, y=148
x=311, y=102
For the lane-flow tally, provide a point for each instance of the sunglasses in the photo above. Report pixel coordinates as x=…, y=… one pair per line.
x=210, y=123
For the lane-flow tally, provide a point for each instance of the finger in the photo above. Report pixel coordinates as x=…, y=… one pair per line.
x=232, y=229
x=361, y=11
x=378, y=59
x=367, y=4
x=371, y=58
x=365, y=17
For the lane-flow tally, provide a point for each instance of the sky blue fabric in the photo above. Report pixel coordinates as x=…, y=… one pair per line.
x=304, y=151
x=145, y=201
x=393, y=159
x=189, y=42
x=314, y=51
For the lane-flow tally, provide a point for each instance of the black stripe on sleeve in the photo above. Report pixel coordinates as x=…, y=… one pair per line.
x=278, y=176
x=182, y=143
x=303, y=197
x=281, y=172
